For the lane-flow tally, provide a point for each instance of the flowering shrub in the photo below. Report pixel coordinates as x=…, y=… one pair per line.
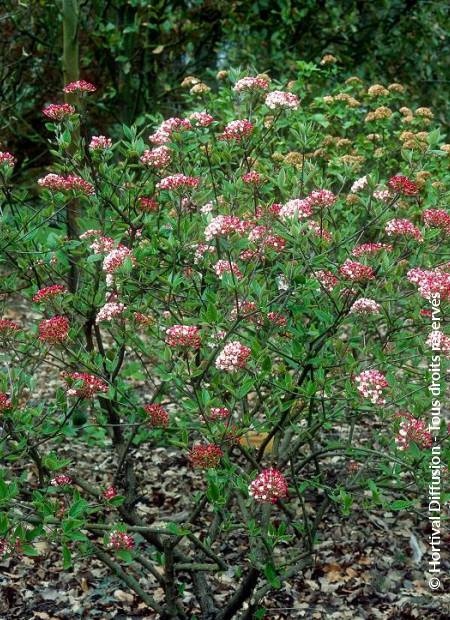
x=148, y=336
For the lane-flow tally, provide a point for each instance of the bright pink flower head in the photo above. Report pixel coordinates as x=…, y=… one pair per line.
x=430, y=282
x=268, y=487
x=100, y=143
x=237, y=130
x=6, y=159
x=327, y=279
x=437, y=218
x=403, y=228
x=148, y=204
x=49, y=292
x=224, y=266
x=251, y=84
x=58, y=112
x=84, y=385
x=277, y=319
x=296, y=208
x=177, y=181
x=371, y=248
x=158, y=415
x=356, y=272
x=402, y=185
x=218, y=413
x=110, y=311
x=54, y=330
x=321, y=198
x=202, y=119
x=5, y=403
x=110, y=493
x=224, y=225
x=205, y=456
x=77, y=184
x=365, y=306
x=371, y=384
x=8, y=327
x=120, y=541
x=60, y=480
x=183, y=336
x=278, y=99
x=412, y=430
x=116, y=258
x=233, y=357
x=159, y=157
x=80, y=86
x=164, y=132
x=252, y=178
x=53, y=181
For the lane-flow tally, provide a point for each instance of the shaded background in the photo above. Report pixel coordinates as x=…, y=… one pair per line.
x=138, y=52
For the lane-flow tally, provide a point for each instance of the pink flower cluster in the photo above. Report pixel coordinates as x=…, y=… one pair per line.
x=201, y=249
x=202, y=119
x=371, y=384
x=100, y=143
x=224, y=225
x=278, y=99
x=371, y=248
x=269, y=487
x=6, y=159
x=327, y=279
x=148, y=204
x=176, y=181
x=365, y=306
x=5, y=403
x=356, y=272
x=234, y=356
x=205, y=456
x=60, y=480
x=218, y=413
x=237, y=130
x=8, y=327
x=321, y=198
x=183, y=336
x=404, y=228
x=110, y=493
x=430, y=282
x=159, y=157
x=277, y=319
x=252, y=178
x=58, y=111
x=412, y=430
x=49, y=292
x=63, y=184
x=224, y=266
x=84, y=385
x=359, y=184
x=437, y=218
x=116, y=258
x=80, y=86
x=54, y=330
x=296, y=208
x=110, y=311
x=164, y=132
x=158, y=415
x=402, y=185
x=250, y=84
x=120, y=540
